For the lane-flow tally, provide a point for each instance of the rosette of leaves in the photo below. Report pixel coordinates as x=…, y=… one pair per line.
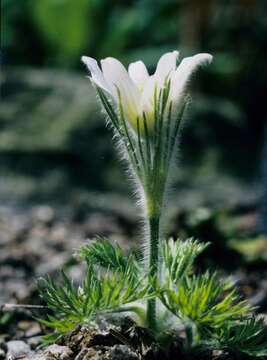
x=206, y=308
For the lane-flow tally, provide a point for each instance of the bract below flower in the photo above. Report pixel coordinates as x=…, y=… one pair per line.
x=136, y=89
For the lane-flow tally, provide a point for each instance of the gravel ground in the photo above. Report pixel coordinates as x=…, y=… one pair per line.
x=38, y=240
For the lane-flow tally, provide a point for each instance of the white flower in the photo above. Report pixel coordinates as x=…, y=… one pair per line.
x=137, y=88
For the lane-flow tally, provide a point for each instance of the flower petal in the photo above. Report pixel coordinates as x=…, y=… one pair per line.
x=96, y=74
x=138, y=73
x=118, y=78
x=166, y=64
x=184, y=72
x=148, y=98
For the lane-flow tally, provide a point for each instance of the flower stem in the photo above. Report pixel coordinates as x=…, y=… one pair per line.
x=154, y=230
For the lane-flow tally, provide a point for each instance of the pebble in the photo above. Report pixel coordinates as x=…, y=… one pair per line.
x=86, y=354
x=58, y=352
x=35, y=341
x=122, y=352
x=116, y=352
x=17, y=349
x=2, y=354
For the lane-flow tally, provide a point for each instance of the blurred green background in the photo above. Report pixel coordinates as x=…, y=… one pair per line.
x=53, y=142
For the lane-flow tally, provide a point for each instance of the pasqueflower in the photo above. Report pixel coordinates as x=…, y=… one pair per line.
x=136, y=89
x=152, y=105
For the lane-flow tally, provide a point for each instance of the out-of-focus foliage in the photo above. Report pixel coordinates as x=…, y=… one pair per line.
x=63, y=27
x=227, y=118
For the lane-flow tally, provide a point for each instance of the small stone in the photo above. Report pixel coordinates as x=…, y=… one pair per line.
x=17, y=349
x=2, y=354
x=39, y=356
x=24, y=325
x=217, y=354
x=93, y=336
x=89, y=354
x=34, y=341
x=44, y=214
x=122, y=352
x=58, y=352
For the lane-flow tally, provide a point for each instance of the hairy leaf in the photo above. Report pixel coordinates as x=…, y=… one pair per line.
x=248, y=336
x=73, y=305
x=103, y=253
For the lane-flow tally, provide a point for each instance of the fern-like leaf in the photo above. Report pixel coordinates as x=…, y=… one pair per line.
x=178, y=257
x=248, y=336
x=103, y=253
x=73, y=305
x=203, y=300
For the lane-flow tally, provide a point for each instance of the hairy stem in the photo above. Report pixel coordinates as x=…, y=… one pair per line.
x=153, y=261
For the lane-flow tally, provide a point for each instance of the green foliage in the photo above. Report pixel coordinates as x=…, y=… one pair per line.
x=103, y=253
x=210, y=310
x=248, y=336
x=63, y=24
x=203, y=299
x=98, y=295
x=179, y=256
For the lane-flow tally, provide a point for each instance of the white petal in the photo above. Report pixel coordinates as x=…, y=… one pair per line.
x=118, y=78
x=148, y=97
x=96, y=74
x=138, y=73
x=166, y=64
x=184, y=72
